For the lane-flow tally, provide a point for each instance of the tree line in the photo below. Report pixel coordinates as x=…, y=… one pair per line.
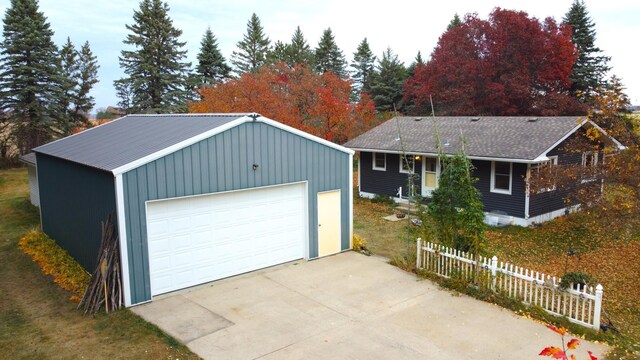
x=44, y=89
x=508, y=64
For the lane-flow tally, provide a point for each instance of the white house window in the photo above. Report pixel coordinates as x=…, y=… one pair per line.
x=589, y=163
x=380, y=161
x=545, y=173
x=407, y=164
x=589, y=159
x=501, y=177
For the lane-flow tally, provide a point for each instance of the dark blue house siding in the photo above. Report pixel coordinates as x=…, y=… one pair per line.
x=74, y=199
x=512, y=204
x=385, y=182
x=222, y=163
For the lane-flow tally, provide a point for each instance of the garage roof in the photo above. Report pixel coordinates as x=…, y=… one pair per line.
x=122, y=141
x=133, y=140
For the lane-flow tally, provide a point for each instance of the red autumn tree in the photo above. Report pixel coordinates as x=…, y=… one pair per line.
x=316, y=103
x=510, y=64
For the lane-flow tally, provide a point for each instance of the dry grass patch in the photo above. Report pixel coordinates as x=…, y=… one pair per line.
x=37, y=321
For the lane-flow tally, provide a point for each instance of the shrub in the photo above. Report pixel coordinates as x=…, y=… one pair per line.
x=55, y=261
x=360, y=245
x=383, y=199
x=575, y=278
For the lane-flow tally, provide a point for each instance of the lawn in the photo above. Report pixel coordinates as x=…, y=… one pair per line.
x=37, y=321
x=610, y=252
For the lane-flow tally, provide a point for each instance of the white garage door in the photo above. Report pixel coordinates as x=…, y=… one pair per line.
x=197, y=239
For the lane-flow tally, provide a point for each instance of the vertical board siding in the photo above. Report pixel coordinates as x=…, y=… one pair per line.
x=74, y=200
x=222, y=163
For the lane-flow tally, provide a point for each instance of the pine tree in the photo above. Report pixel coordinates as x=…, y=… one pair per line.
x=590, y=69
x=155, y=71
x=278, y=54
x=363, y=67
x=68, y=83
x=87, y=78
x=212, y=67
x=252, y=49
x=454, y=22
x=79, y=73
x=387, y=82
x=299, y=51
x=328, y=57
x=418, y=61
x=29, y=76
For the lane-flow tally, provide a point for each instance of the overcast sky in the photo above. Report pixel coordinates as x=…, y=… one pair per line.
x=405, y=26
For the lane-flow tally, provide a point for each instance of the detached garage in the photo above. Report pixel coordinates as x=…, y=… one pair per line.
x=197, y=197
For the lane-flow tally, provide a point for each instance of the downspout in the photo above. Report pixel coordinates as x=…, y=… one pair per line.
x=527, y=191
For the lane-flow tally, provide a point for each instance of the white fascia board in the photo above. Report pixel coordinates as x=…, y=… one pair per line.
x=181, y=145
x=575, y=128
x=604, y=132
x=486, y=158
x=305, y=135
x=351, y=200
x=122, y=235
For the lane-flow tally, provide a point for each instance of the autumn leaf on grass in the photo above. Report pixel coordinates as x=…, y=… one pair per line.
x=573, y=343
x=560, y=330
x=554, y=352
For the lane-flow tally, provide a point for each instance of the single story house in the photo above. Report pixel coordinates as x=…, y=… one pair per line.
x=197, y=197
x=503, y=150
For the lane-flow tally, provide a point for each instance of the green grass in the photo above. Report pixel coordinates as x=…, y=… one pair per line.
x=37, y=321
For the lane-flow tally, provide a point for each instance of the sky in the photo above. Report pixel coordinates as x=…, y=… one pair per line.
x=403, y=25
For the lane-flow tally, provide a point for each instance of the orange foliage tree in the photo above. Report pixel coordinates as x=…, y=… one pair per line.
x=316, y=103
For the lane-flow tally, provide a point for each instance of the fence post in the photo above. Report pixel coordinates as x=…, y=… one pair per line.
x=597, y=308
x=494, y=268
x=418, y=257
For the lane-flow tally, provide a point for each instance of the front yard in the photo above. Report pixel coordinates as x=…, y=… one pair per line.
x=610, y=252
x=37, y=321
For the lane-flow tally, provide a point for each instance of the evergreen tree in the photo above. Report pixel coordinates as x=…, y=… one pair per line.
x=252, y=49
x=590, y=69
x=212, y=67
x=155, y=71
x=79, y=73
x=29, y=78
x=299, y=51
x=68, y=83
x=363, y=67
x=279, y=53
x=124, y=92
x=456, y=206
x=86, y=79
x=387, y=82
x=454, y=22
x=418, y=61
x=328, y=57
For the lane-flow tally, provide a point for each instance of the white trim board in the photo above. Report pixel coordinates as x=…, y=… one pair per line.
x=207, y=134
x=123, y=243
x=513, y=160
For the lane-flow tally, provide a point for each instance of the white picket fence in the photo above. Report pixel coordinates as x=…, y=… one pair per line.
x=581, y=305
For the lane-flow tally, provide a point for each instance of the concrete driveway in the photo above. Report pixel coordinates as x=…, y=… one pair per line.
x=344, y=306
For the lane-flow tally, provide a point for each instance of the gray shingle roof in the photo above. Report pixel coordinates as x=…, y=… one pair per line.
x=29, y=158
x=486, y=137
x=132, y=137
